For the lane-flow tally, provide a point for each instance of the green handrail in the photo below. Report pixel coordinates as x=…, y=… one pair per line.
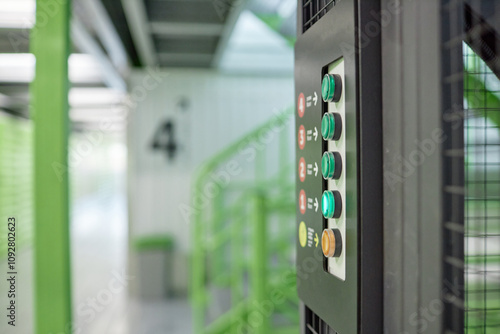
x=247, y=238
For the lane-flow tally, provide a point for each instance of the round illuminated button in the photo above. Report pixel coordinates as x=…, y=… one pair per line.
x=331, y=204
x=331, y=126
x=328, y=126
x=331, y=88
x=331, y=242
x=331, y=165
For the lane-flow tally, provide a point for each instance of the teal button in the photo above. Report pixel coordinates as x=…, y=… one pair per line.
x=331, y=88
x=331, y=204
x=326, y=92
x=328, y=165
x=328, y=204
x=328, y=126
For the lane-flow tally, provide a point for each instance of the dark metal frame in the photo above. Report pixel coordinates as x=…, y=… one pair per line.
x=413, y=200
x=453, y=165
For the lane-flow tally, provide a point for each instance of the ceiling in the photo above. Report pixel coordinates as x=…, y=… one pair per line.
x=168, y=33
x=173, y=33
x=110, y=37
x=190, y=33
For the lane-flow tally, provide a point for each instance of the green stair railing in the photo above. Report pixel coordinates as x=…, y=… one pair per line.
x=243, y=241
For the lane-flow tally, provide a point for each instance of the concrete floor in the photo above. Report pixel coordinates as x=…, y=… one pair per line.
x=100, y=286
x=100, y=282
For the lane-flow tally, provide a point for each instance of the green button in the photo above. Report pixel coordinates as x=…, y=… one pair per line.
x=325, y=88
x=328, y=126
x=328, y=204
x=328, y=165
x=331, y=87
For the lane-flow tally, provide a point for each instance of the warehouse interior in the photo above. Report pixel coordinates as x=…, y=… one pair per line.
x=149, y=155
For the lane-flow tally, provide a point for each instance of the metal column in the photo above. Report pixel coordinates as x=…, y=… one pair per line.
x=49, y=93
x=413, y=137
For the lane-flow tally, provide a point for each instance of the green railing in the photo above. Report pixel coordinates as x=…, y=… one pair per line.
x=243, y=238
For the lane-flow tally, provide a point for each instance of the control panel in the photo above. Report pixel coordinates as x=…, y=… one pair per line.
x=339, y=170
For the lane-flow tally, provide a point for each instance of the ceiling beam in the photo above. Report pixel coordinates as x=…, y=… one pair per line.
x=186, y=29
x=173, y=57
x=84, y=41
x=106, y=33
x=135, y=12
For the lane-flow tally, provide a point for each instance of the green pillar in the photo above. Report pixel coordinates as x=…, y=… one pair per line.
x=49, y=93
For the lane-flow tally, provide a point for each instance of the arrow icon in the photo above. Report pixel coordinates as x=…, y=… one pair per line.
x=315, y=133
x=315, y=169
x=315, y=99
x=308, y=101
x=316, y=239
x=315, y=204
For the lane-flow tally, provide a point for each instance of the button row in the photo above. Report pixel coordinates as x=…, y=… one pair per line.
x=331, y=166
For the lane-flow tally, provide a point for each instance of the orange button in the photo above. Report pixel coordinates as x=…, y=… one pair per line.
x=331, y=242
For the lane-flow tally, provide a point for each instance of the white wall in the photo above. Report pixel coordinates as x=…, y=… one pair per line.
x=222, y=108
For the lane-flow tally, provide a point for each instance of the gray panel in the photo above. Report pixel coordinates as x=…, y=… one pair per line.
x=412, y=172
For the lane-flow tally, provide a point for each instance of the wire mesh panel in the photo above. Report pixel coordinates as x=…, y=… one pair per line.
x=482, y=181
x=471, y=167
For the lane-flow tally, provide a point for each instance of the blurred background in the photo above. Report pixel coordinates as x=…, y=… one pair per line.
x=180, y=121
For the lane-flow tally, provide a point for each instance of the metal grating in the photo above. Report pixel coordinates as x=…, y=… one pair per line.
x=315, y=325
x=471, y=168
x=313, y=10
x=482, y=183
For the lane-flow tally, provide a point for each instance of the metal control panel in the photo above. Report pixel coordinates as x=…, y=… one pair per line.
x=339, y=170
